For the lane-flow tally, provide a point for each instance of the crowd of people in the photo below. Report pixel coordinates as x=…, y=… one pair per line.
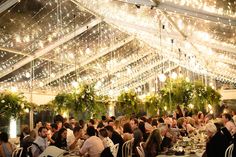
x=155, y=135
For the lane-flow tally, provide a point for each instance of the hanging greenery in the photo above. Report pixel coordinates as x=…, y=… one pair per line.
x=128, y=103
x=11, y=104
x=152, y=104
x=181, y=92
x=63, y=102
x=101, y=106
x=85, y=99
x=176, y=92
x=203, y=95
x=81, y=100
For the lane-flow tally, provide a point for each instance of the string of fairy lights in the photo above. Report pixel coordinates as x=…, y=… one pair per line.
x=206, y=48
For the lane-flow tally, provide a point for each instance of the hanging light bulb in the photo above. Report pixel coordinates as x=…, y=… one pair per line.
x=88, y=51
x=14, y=89
x=27, y=75
x=174, y=75
x=165, y=108
x=27, y=38
x=162, y=77
x=110, y=92
x=191, y=106
x=74, y=84
x=53, y=75
x=187, y=79
x=139, y=89
x=209, y=106
x=18, y=39
x=40, y=84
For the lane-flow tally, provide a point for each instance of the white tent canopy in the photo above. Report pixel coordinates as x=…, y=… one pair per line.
x=48, y=46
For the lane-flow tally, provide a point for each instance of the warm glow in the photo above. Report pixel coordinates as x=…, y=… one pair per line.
x=174, y=75
x=74, y=84
x=14, y=89
x=26, y=110
x=165, y=108
x=27, y=75
x=162, y=77
x=12, y=128
x=209, y=106
x=191, y=106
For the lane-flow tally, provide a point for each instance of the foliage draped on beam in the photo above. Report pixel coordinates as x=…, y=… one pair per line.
x=152, y=104
x=181, y=92
x=12, y=104
x=82, y=100
x=128, y=103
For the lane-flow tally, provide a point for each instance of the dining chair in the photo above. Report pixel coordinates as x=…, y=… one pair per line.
x=114, y=149
x=17, y=152
x=229, y=151
x=140, y=151
x=127, y=148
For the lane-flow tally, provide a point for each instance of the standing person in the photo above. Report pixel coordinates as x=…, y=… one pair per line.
x=6, y=148
x=41, y=142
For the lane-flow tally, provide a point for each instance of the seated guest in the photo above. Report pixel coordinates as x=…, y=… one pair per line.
x=154, y=123
x=166, y=138
x=117, y=127
x=41, y=142
x=217, y=143
x=142, y=128
x=27, y=142
x=6, y=148
x=181, y=124
x=103, y=135
x=60, y=141
x=75, y=142
x=127, y=132
x=54, y=133
x=138, y=138
x=116, y=138
x=153, y=144
x=134, y=123
x=107, y=142
x=25, y=132
x=93, y=145
x=228, y=122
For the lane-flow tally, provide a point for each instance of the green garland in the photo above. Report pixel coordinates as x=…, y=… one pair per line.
x=12, y=104
x=128, y=103
x=181, y=92
x=82, y=100
x=152, y=104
